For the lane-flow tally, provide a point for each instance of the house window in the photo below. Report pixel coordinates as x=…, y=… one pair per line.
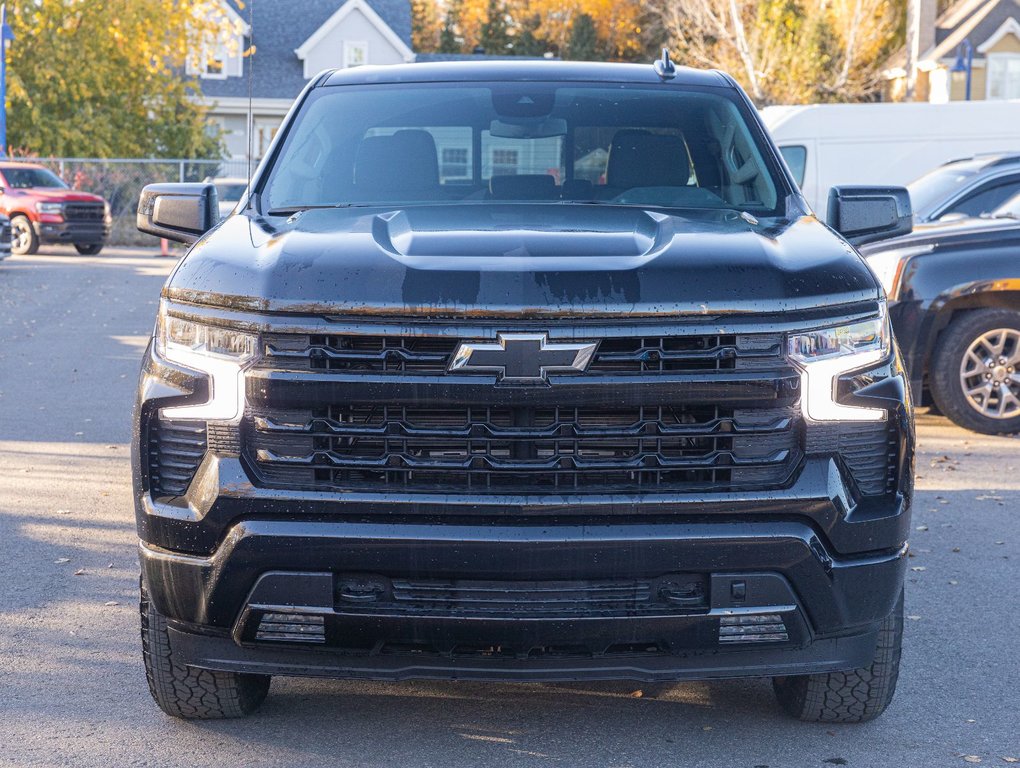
x=1003, y=73
x=504, y=162
x=455, y=164
x=355, y=53
x=214, y=64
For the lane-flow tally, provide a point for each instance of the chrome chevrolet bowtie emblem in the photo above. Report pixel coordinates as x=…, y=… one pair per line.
x=522, y=357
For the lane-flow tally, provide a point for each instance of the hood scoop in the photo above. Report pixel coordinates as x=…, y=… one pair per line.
x=531, y=237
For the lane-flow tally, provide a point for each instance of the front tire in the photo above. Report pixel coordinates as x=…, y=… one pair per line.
x=88, y=249
x=975, y=373
x=189, y=693
x=24, y=240
x=848, y=697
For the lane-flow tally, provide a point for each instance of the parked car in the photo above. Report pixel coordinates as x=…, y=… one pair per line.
x=954, y=300
x=966, y=188
x=229, y=191
x=523, y=425
x=43, y=209
x=5, y=237
x=827, y=145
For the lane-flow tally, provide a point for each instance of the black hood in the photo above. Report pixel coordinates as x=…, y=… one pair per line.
x=521, y=260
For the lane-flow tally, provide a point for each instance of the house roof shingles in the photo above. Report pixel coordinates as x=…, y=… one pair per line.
x=281, y=26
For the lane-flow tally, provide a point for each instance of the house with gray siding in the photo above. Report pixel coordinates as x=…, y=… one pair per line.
x=294, y=40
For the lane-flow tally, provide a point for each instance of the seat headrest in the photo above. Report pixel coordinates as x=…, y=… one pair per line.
x=641, y=159
x=405, y=160
x=528, y=186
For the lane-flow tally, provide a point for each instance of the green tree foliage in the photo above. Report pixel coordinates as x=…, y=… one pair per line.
x=105, y=78
x=583, y=42
x=495, y=35
x=449, y=37
x=786, y=51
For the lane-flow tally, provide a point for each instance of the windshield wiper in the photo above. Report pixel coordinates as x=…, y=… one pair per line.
x=290, y=210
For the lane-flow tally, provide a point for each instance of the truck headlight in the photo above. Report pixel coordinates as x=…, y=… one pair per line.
x=825, y=354
x=222, y=353
x=51, y=208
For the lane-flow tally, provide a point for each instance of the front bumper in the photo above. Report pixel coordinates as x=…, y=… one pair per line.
x=823, y=612
x=77, y=232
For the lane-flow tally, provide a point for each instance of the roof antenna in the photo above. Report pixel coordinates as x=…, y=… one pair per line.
x=664, y=67
x=251, y=80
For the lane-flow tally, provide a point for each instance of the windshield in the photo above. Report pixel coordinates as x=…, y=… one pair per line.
x=662, y=146
x=933, y=187
x=24, y=178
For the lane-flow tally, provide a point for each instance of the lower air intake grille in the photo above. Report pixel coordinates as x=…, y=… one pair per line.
x=754, y=628
x=291, y=628
x=175, y=450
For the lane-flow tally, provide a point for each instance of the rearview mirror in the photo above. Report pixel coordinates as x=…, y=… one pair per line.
x=528, y=129
x=179, y=212
x=866, y=214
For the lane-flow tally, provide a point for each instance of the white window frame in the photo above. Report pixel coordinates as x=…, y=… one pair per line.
x=350, y=47
x=1005, y=58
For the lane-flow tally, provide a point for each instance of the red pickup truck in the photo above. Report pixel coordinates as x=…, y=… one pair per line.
x=43, y=209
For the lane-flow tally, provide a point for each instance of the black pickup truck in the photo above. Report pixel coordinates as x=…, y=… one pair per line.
x=523, y=371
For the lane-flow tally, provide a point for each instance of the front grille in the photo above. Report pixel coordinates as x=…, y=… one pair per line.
x=379, y=412
x=84, y=211
x=518, y=449
x=430, y=355
x=175, y=451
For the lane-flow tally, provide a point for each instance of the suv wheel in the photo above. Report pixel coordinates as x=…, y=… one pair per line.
x=24, y=241
x=88, y=249
x=848, y=697
x=975, y=372
x=194, y=694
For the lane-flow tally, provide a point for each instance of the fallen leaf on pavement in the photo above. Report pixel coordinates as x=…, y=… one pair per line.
x=80, y=572
x=914, y=618
x=971, y=759
x=62, y=560
x=111, y=602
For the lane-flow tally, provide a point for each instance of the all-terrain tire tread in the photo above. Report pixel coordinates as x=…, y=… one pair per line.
x=848, y=697
x=186, y=692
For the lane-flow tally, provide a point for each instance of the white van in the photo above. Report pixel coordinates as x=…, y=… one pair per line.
x=830, y=144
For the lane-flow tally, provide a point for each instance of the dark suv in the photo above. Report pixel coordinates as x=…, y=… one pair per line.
x=964, y=188
x=523, y=371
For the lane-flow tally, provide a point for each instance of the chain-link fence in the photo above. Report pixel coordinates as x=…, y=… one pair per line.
x=120, y=181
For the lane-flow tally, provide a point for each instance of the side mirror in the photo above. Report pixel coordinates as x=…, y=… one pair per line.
x=179, y=212
x=866, y=214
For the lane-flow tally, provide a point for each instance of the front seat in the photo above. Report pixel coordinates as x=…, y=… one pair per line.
x=641, y=159
x=397, y=167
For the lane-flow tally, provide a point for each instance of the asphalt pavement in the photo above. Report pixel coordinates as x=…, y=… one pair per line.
x=72, y=687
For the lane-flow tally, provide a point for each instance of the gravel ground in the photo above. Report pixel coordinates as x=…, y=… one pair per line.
x=72, y=689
